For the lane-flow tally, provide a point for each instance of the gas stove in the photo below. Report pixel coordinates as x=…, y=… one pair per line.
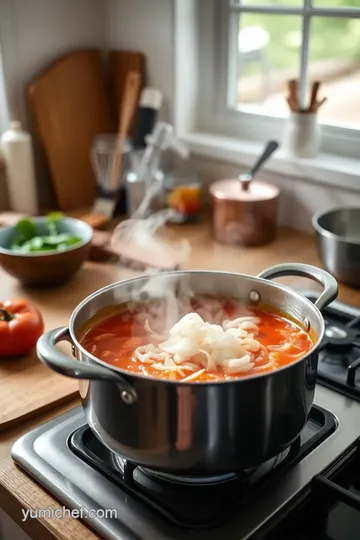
x=339, y=357
x=310, y=491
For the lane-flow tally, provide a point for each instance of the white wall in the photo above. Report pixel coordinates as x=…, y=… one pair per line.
x=147, y=26
x=33, y=33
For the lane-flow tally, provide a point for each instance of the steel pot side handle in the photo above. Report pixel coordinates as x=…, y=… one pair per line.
x=319, y=275
x=53, y=358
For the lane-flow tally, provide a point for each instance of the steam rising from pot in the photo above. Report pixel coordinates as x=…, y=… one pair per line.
x=141, y=240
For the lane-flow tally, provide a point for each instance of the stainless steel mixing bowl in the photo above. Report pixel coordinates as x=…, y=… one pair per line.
x=338, y=242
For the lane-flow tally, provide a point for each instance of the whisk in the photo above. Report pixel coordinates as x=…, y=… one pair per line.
x=108, y=169
x=102, y=159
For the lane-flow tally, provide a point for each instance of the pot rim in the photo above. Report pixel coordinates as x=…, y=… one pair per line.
x=202, y=383
x=329, y=234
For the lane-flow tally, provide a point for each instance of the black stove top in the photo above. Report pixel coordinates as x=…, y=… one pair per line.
x=177, y=497
x=339, y=356
x=309, y=492
x=330, y=508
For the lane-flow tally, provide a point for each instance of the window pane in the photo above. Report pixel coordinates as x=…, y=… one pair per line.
x=337, y=3
x=335, y=60
x=269, y=49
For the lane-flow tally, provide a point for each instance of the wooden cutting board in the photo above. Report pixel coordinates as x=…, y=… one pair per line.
x=28, y=388
x=70, y=106
x=121, y=63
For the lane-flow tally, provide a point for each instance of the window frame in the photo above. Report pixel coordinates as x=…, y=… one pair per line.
x=219, y=114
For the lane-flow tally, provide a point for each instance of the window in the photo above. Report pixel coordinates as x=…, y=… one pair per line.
x=261, y=44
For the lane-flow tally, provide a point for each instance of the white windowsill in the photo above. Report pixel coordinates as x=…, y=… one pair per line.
x=325, y=169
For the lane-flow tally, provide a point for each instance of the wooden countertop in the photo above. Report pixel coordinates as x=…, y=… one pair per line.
x=17, y=490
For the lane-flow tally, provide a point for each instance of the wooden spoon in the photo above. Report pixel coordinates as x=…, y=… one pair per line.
x=313, y=98
x=131, y=91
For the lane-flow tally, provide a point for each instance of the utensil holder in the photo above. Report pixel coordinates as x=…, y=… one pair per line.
x=136, y=188
x=302, y=135
x=102, y=158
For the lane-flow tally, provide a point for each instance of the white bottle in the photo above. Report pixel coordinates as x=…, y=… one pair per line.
x=16, y=149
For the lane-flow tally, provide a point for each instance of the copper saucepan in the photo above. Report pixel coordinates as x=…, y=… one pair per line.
x=244, y=211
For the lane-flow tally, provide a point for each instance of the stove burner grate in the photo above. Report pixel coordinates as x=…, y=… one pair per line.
x=192, y=480
x=339, y=336
x=177, y=497
x=339, y=352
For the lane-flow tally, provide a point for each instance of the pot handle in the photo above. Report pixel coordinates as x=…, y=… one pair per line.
x=308, y=271
x=51, y=356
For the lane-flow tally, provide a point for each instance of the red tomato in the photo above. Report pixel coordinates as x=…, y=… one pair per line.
x=21, y=325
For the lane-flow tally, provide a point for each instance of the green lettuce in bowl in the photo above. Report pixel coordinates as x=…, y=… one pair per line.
x=27, y=239
x=45, y=250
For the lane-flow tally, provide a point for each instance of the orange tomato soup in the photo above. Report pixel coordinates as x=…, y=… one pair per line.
x=114, y=336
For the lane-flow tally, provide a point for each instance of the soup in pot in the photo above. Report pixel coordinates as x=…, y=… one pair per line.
x=202, y=339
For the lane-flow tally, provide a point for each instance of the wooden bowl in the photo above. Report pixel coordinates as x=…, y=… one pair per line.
x=47, y=268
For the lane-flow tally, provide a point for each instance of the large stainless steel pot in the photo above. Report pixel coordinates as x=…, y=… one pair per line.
x=199, y=428
x=338, y=241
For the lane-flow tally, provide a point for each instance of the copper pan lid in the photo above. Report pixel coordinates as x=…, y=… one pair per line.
x=232, y=189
